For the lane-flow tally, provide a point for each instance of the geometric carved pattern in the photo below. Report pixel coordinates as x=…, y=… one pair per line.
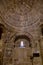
x=20, y=15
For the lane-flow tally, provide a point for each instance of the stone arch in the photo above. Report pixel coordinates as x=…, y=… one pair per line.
x=22, y=37
x=25, y=35
x=29, y=38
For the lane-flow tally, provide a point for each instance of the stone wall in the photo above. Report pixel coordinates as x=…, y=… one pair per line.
x=21, y=18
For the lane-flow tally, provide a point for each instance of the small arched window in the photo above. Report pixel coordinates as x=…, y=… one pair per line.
x=22, y=41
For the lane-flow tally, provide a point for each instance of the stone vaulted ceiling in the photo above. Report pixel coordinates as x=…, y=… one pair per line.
x=24, y=16
x=20, y=14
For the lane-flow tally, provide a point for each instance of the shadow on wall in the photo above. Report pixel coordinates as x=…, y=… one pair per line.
x=41, y=27
x=1, y=30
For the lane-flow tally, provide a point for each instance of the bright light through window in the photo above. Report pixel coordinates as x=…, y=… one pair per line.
x=21, y=44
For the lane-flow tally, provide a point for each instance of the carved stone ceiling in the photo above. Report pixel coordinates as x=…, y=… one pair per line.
x=19, y=13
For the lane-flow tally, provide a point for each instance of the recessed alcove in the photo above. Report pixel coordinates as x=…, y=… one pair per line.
x=41, y=27
x=42, y=31
x=22, y=50
x=21, y=39
x=2, y=30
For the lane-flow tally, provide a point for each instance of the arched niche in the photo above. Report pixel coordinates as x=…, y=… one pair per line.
x=25, y=35
x=2, y=30
x=21, y=38
x=41, y=29
x=2, y=33
x=22, y=50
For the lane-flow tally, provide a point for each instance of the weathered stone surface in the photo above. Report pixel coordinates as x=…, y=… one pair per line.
x=21, y=17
